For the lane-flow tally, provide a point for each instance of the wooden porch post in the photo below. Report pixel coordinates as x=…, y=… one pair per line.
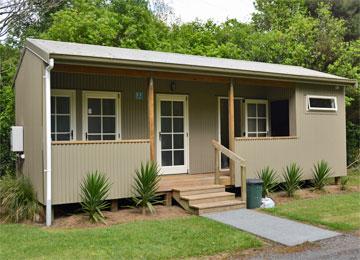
x=231, y=130
x=151, y=118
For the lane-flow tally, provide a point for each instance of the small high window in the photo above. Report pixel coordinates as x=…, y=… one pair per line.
x=322, y=103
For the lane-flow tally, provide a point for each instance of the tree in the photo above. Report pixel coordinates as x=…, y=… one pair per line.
x=122, y=23
x=348, y=10
x=348, y=65
x=17, y=17
x=7, y=117
x=276, y=14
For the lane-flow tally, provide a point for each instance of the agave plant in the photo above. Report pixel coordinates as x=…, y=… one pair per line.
x=18, y=199
x=343, y=182
x=268, y=176
x=292, y=177
x=321, y=172
x=145, y=187
x=94, y=191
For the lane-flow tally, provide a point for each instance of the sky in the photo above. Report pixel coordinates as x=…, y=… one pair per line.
x=217, y=10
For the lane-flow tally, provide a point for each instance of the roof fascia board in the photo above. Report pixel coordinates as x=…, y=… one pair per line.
x=151, y=66
x=23, y=51
x=40, y=52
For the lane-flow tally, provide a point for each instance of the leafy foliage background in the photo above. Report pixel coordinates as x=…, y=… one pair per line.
x=321, y=35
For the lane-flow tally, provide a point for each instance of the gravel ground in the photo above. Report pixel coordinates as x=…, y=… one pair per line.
x=342, y=247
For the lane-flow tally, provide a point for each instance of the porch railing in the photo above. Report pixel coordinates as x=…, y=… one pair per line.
x=219, y=149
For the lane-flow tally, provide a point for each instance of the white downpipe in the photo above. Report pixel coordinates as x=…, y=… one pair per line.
x=47, y=171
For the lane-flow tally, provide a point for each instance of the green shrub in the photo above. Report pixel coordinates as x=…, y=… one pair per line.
x=7, y=119
x=321, y=172
x=94, y=191
x=145, y=187
x=268, y=176
x=344, y=182
x=292, y=177
x=18, y=199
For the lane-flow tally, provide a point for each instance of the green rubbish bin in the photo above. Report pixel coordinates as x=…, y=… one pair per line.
x=253, y=193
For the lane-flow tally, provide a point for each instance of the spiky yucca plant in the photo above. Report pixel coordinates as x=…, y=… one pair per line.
x=321, y=172
x=268, y=176
x=145, y=187
x=292, y=176
x=343, y=182
x=18, y=199
x=94, y=191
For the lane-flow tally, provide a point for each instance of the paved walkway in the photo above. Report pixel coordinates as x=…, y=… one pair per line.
x=283, y=231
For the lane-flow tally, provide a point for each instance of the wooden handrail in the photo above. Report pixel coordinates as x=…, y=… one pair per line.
x=227, y=152
x=232, y=156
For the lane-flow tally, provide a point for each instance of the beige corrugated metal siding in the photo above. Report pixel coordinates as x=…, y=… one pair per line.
x=203, y=109
x=118, y=161
x=134, y=112
x=320, y=135
x=29, y=114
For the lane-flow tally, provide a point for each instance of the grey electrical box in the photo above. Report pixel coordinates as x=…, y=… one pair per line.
x=17, y=139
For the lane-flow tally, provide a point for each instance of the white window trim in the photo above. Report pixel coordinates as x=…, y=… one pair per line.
x=256, y=101
x=308, y=108
x=72, y=95
x=102, y=94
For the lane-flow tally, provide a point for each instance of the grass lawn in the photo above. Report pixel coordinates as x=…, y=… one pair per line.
x=161, y=239
x=339, y=212
x=336, y=211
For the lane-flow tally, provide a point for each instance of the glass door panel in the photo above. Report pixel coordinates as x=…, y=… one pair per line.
x=172, y=134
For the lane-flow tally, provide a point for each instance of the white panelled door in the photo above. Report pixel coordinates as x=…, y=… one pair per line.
x=172, y=133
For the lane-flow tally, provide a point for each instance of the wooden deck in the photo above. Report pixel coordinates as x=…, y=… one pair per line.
x=170, y=182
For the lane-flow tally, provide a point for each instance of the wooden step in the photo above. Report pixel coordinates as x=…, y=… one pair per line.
x=203, y=189
x=207, y=197
x=217, y=206
x=170, y=184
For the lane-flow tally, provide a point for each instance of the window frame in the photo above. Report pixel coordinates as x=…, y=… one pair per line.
x=256, y=101
x=101, y=95
x=72, y=95
x=309, y=108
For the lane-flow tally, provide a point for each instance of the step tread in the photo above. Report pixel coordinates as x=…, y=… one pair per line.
x=201, y=187
x=217, y=204
x=206, y=195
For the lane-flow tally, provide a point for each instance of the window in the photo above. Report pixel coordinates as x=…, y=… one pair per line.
x=256, y=123
x=62, y=115
x=101, y=115
x=323, y=103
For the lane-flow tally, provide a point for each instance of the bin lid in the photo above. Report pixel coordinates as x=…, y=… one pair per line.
x=254, y=181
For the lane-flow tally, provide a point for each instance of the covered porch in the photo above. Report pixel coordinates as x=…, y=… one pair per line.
x=112, y=120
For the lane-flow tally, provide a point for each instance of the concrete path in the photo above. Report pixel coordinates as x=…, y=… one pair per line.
x=283, y=231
